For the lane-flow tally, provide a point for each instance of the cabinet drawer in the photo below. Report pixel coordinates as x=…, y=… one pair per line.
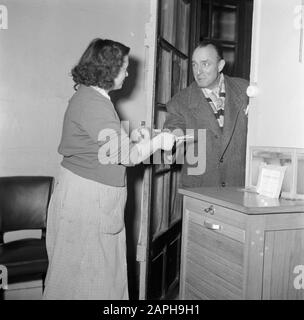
x=213, y=211
x=217, y=225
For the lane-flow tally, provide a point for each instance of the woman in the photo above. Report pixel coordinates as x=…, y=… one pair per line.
x=85, y=238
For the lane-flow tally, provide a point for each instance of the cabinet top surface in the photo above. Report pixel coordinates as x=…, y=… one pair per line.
x=244, y=201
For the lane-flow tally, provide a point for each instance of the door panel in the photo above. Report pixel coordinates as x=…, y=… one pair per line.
x=164, y=75
x=284, y=253
x=166, y=209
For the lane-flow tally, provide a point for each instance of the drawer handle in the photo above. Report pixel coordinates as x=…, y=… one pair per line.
x=212, y=226
x=210, y=210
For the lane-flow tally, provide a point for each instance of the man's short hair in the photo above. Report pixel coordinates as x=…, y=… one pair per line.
x=215, y=45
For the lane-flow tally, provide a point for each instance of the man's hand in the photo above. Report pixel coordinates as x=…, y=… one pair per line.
x=171, y=155
x=166, y=140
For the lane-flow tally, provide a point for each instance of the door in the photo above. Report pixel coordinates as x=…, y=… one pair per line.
x=161, y=204
x=166, y=203
x=283, y=265
x=181, y=24
x=229, y=22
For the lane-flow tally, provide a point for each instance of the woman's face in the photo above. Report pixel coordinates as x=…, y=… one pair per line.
x=123, y=73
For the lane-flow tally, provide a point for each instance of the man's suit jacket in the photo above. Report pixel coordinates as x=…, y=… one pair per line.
x=225, y=147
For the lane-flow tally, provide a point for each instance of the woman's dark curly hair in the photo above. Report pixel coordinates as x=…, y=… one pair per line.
x=100, y=64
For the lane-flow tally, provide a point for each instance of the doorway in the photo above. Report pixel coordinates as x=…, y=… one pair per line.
x=181, y=25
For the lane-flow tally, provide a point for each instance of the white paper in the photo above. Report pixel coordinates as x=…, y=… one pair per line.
x=270, y=180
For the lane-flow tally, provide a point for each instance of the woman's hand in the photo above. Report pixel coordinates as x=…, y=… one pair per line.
x=140, y=134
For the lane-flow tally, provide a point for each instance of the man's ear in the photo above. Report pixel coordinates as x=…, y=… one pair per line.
x=221, y=65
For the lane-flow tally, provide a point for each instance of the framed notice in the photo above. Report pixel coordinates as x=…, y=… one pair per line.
x=270, y=180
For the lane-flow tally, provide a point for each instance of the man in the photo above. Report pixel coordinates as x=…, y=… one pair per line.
x=216, y=103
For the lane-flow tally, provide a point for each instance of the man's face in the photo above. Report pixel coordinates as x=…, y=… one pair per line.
x=206, y=66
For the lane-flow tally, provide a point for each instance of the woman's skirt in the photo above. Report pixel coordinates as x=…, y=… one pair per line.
x=86, y=241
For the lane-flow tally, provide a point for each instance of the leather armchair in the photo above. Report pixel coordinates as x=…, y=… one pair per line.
x=24, y=202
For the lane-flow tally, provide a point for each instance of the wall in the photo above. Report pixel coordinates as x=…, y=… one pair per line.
x=276, y=114
x=43, y=41
x=45, y=38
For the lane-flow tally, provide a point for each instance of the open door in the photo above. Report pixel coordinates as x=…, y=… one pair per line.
x=159, y=243
x=181, y=24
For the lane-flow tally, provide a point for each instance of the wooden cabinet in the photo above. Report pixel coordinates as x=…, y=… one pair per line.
x=240, y=245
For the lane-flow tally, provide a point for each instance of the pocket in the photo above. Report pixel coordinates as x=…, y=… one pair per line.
x=112, y=205
x=111, y=223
